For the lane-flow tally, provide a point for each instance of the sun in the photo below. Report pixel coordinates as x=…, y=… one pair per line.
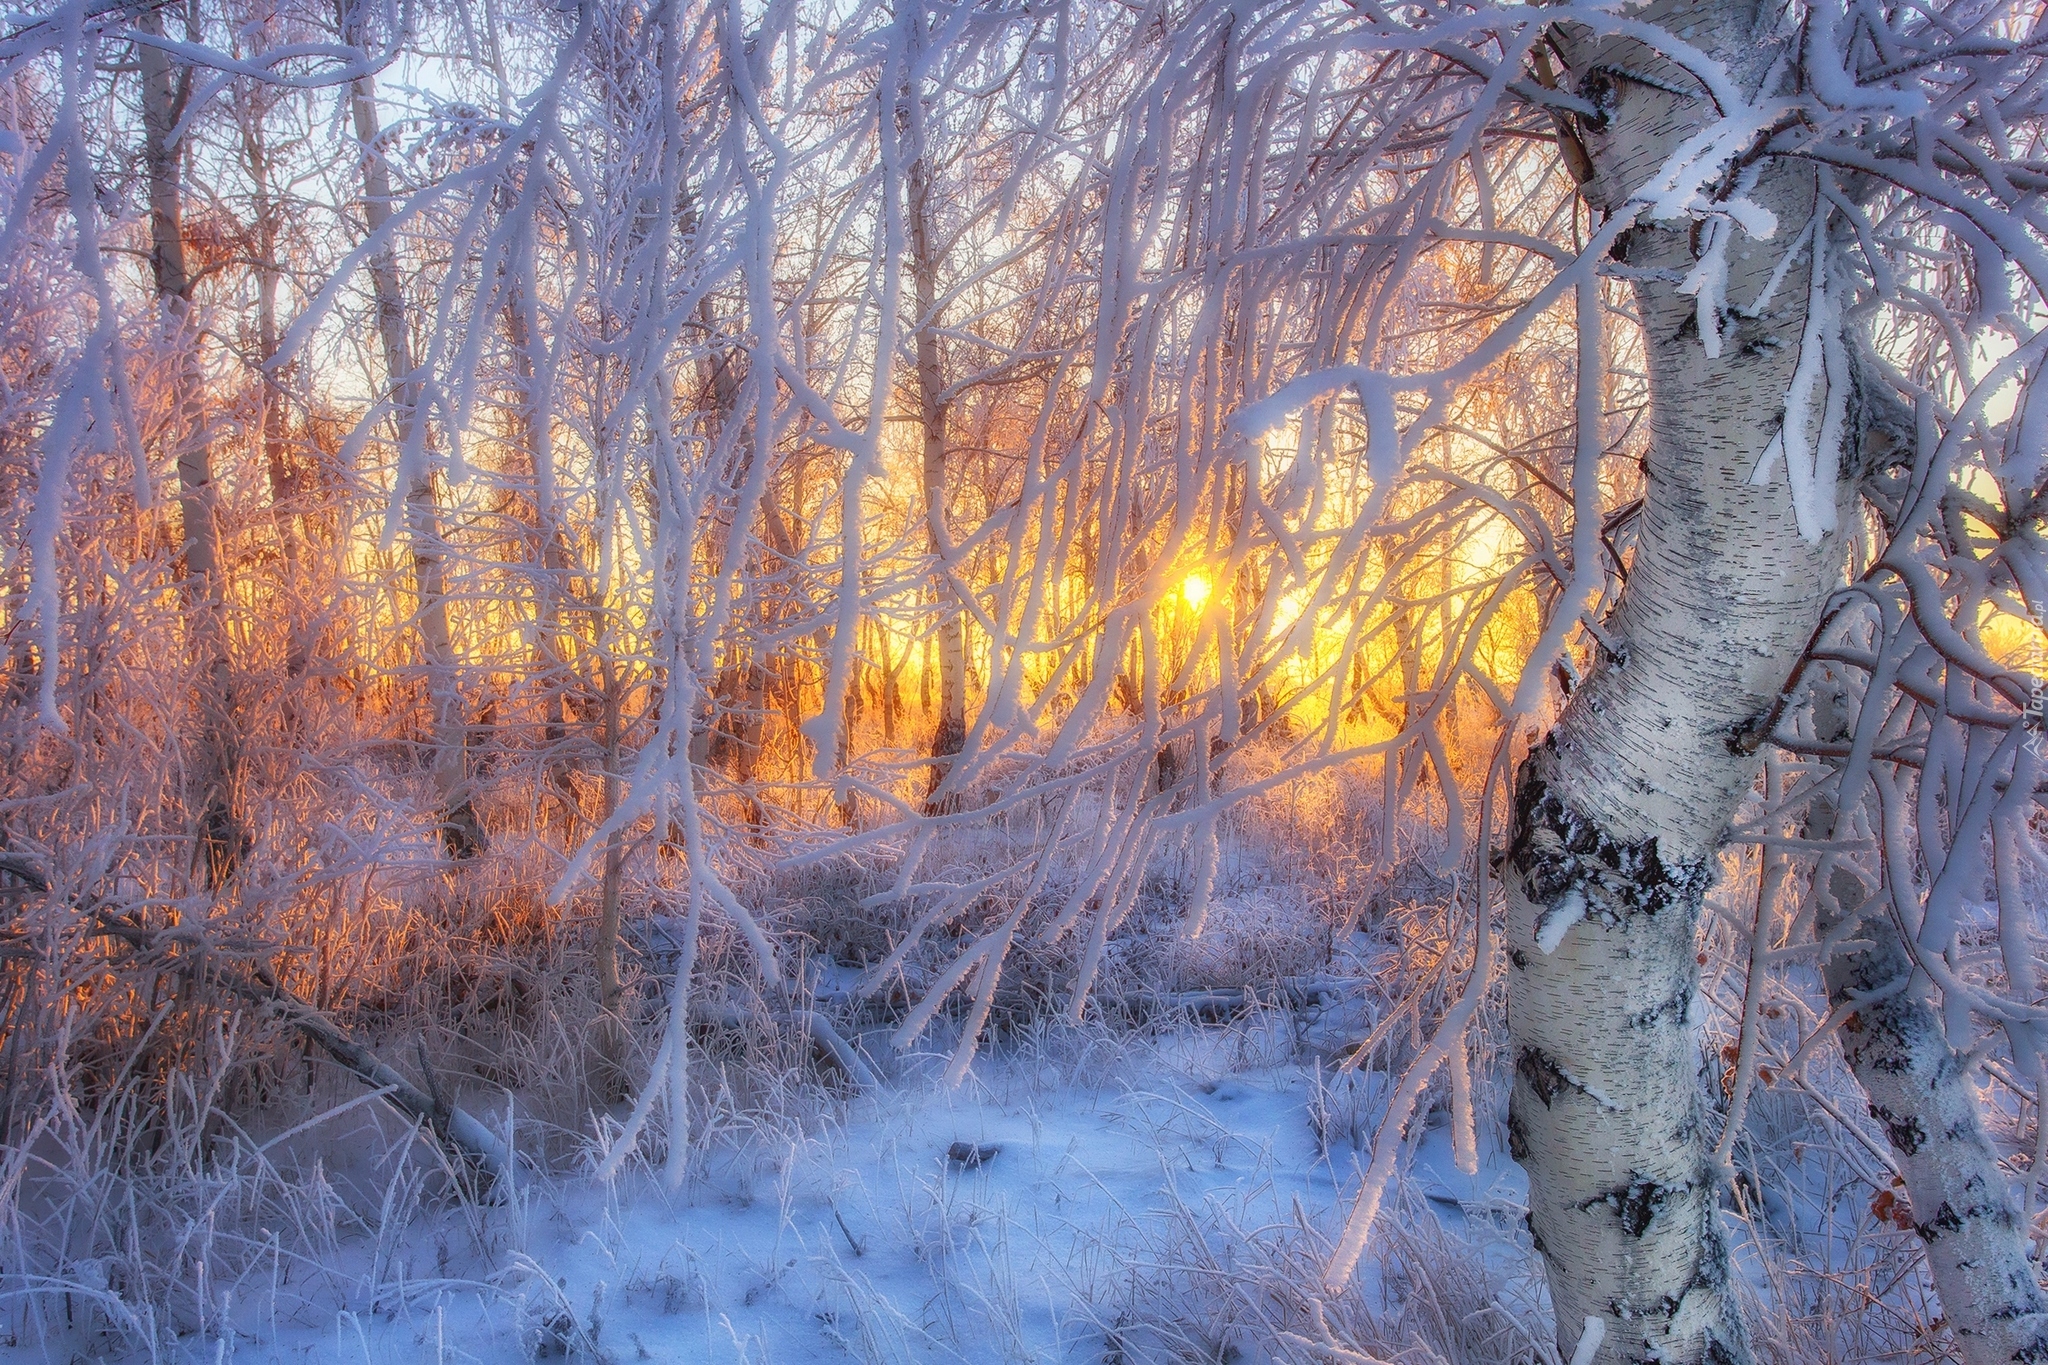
x=1195, y=591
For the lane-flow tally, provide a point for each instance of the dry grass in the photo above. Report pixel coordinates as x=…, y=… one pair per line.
x=181, y=1155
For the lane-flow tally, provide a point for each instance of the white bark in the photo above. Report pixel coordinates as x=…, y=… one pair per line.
x=1920, y=1090
x=1619, y=813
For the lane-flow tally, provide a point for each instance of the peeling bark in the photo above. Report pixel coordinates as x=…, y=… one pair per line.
x=1605, y=1111
x=1620, y=811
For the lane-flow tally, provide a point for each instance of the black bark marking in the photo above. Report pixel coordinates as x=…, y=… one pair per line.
x=1907, y=1132
x=1709, y=1278
x=1762, y=344
x=1710, y=1274
x=1543, y=1074
x=1674, y=1007
x=2034, y=1352
x=1637, y=1203
x=1558, y=851
x=1944, y=1221
x=1664, y=1307
x=1599, y=88
x=1719, y=1354
x=1746, y=736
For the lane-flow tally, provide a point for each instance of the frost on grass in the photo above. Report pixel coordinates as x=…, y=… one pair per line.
x=1160, y=1188
x=619, y=418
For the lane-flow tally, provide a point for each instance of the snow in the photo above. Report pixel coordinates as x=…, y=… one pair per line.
x=1558, y=918
x=1819, y=390
x=859, y=1238
x=1589, y=1342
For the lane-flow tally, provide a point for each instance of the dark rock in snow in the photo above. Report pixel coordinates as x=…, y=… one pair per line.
x=967, y=1155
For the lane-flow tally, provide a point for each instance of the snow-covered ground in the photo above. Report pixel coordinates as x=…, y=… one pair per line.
x=1113, y=1171
x=1156, y=1188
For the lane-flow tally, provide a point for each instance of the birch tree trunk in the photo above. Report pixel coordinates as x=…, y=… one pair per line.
x=166, y=90
x=1620, y=810
x=1920, y=1089
x=462, y=833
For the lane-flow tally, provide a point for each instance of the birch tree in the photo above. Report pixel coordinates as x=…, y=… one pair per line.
x=1259, y=319
x=1619, y=812
x=1767, y=405
x=1730, y=157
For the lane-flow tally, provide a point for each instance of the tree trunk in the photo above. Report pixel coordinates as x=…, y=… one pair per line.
x=166, y=89
x=1919, y=1088
x=730, y=738
x=547, y=552
x=950, y=734
x=610, y=1037
x=284, y=493
x=1619, y=812
x=462, y=833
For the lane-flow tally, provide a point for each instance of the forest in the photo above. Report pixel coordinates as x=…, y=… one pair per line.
x=1330, y=682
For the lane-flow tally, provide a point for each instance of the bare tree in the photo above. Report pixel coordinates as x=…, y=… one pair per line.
x=462, y=833
x=167, y=87
x=921, y=214
x=254, y=105
x=1569, y=410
